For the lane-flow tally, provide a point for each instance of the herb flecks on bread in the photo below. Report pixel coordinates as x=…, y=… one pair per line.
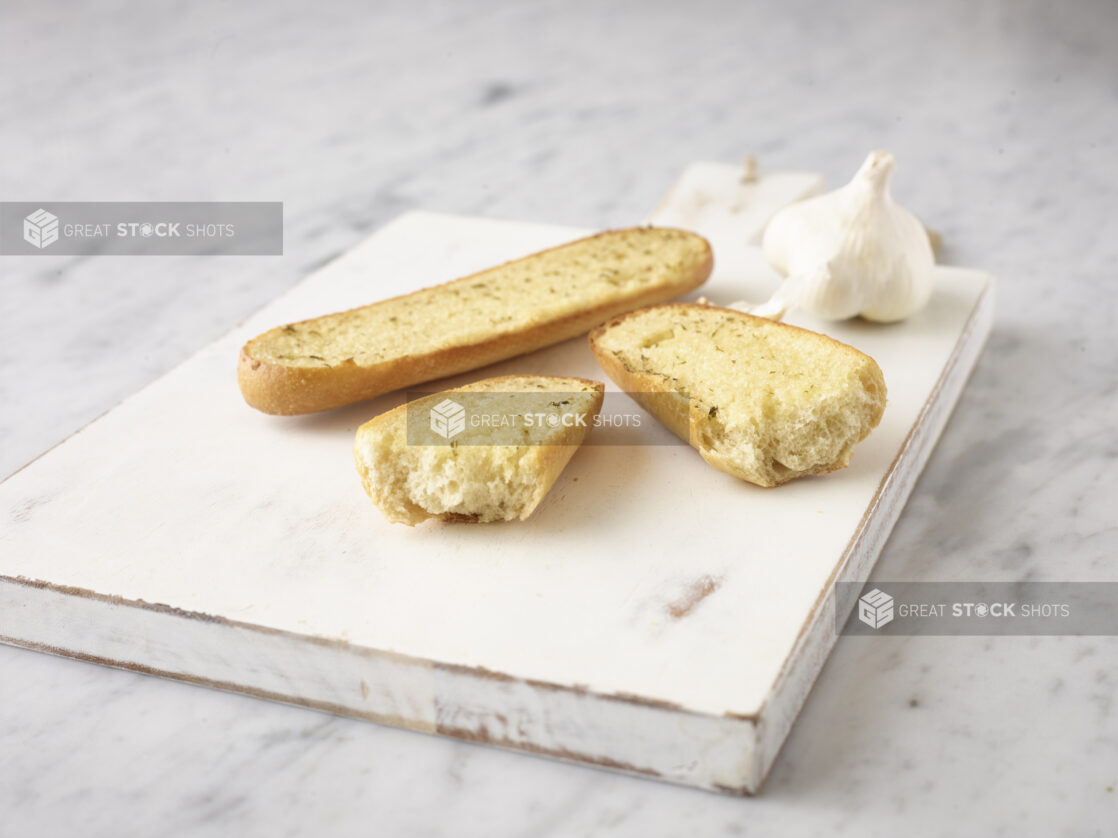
x=461, y=325
x=761, y=400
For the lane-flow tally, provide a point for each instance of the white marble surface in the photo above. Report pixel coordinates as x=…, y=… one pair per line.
x=1003, y=117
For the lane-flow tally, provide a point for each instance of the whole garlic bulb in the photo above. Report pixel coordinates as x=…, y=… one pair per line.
x=849, y=252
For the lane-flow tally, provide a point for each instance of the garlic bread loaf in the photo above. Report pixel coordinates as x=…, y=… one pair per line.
x=461, y=325
x=761, y=400
x=489, y=451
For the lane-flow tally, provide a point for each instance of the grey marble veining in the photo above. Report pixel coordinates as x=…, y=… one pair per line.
x=1003, y=117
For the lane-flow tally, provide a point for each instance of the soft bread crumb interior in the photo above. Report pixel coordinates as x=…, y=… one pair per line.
x=482, y=483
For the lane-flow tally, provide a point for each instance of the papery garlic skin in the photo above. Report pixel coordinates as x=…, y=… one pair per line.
x=854, y=251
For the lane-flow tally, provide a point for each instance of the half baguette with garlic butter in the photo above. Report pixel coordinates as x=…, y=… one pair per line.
x=461, y=325
x=761, y=400
x=434, y=458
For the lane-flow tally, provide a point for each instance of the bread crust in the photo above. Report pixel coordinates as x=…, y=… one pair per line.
x=291, y=390
x=681, y=415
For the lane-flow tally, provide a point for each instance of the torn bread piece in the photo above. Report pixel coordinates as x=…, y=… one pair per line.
x=508, y=310
x=489, y=451
x=761, y=400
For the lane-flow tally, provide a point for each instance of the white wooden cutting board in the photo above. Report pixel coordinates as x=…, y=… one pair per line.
x=654, y=616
